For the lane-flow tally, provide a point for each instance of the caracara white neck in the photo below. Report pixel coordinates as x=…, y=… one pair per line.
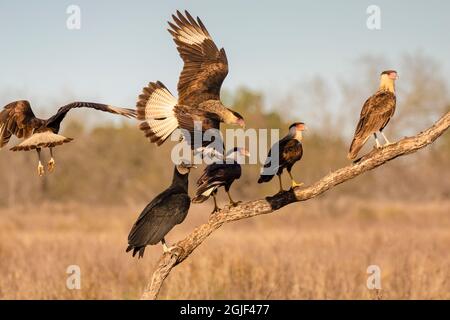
x=387, y=84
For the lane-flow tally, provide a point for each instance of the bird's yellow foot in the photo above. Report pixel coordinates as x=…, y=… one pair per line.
x=51, y=165
x=40, y=169
x=295, y=184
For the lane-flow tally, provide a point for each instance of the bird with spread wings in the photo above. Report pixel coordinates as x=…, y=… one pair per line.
x=18, y=119
x=198, y=105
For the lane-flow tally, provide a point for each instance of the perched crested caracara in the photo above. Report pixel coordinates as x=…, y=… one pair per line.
x=290, y=150
x=205, y=68
x=163, y=213
x=375, y=114
x=218, y=175
x=18, y=119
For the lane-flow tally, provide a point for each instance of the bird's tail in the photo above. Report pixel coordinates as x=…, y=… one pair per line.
x=265, y=178
x=205, y=191
x=155, y=108
x=200, y=198
x=135, y=249
x=355, y=147
x=46, y=139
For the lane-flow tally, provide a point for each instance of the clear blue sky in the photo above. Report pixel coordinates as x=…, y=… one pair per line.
x=122, y=45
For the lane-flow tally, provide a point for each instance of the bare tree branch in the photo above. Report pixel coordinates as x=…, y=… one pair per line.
x=249, y=209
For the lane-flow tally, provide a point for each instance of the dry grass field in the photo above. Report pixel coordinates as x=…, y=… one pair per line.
x=314, y=250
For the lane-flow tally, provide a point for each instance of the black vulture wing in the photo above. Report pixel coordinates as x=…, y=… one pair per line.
x=205, y=66
x=55, y=121
x=17, y=119
x=165, y=211
x=375, y=115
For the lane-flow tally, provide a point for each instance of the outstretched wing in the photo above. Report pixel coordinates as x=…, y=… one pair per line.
x=17, y=119
x=55, y=121
x=205, y=66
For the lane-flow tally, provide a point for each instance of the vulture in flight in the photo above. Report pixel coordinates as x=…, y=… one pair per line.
x=18, y=119
x=198, y=104
x=163, y=213
x=218, y=175
x=375, y=114
x=290, y=150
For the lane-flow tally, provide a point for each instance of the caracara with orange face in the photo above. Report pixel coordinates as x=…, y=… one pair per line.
x=290, y=150
x=375, y=114
x=205, y=69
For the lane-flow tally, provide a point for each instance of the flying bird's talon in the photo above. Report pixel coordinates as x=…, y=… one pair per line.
x=51, y=165
x=41, y=170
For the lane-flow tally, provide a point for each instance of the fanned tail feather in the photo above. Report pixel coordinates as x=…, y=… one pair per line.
x=156, y=109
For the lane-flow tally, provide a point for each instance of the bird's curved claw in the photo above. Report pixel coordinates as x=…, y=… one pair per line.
x=216, y=209
x=41, y=170
x=51, y=165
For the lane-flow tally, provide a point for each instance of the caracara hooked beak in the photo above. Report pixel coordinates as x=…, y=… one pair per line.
x=234, y=118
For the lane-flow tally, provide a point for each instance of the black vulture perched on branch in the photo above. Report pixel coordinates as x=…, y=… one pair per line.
x=290, y=150
x=17, y=118
x=375, y=114
x=163, y=213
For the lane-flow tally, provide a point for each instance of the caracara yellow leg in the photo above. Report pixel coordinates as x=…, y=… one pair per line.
x=51, y=162
x=233, y=203
x=281, y=184
x=165, y=247
x=40, y=167
x=377, y=142
x=216, y=207
x=294, y=184
x=385, y=139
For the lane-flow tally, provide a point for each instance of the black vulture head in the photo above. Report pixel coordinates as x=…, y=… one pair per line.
x=184, y=168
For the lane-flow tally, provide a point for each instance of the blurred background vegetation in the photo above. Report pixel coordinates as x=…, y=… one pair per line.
x=113, y=163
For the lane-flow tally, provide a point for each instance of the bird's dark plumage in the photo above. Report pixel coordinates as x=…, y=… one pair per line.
x=164, y=212
x=17, y=118
x=214, y=176
x=290, y=151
